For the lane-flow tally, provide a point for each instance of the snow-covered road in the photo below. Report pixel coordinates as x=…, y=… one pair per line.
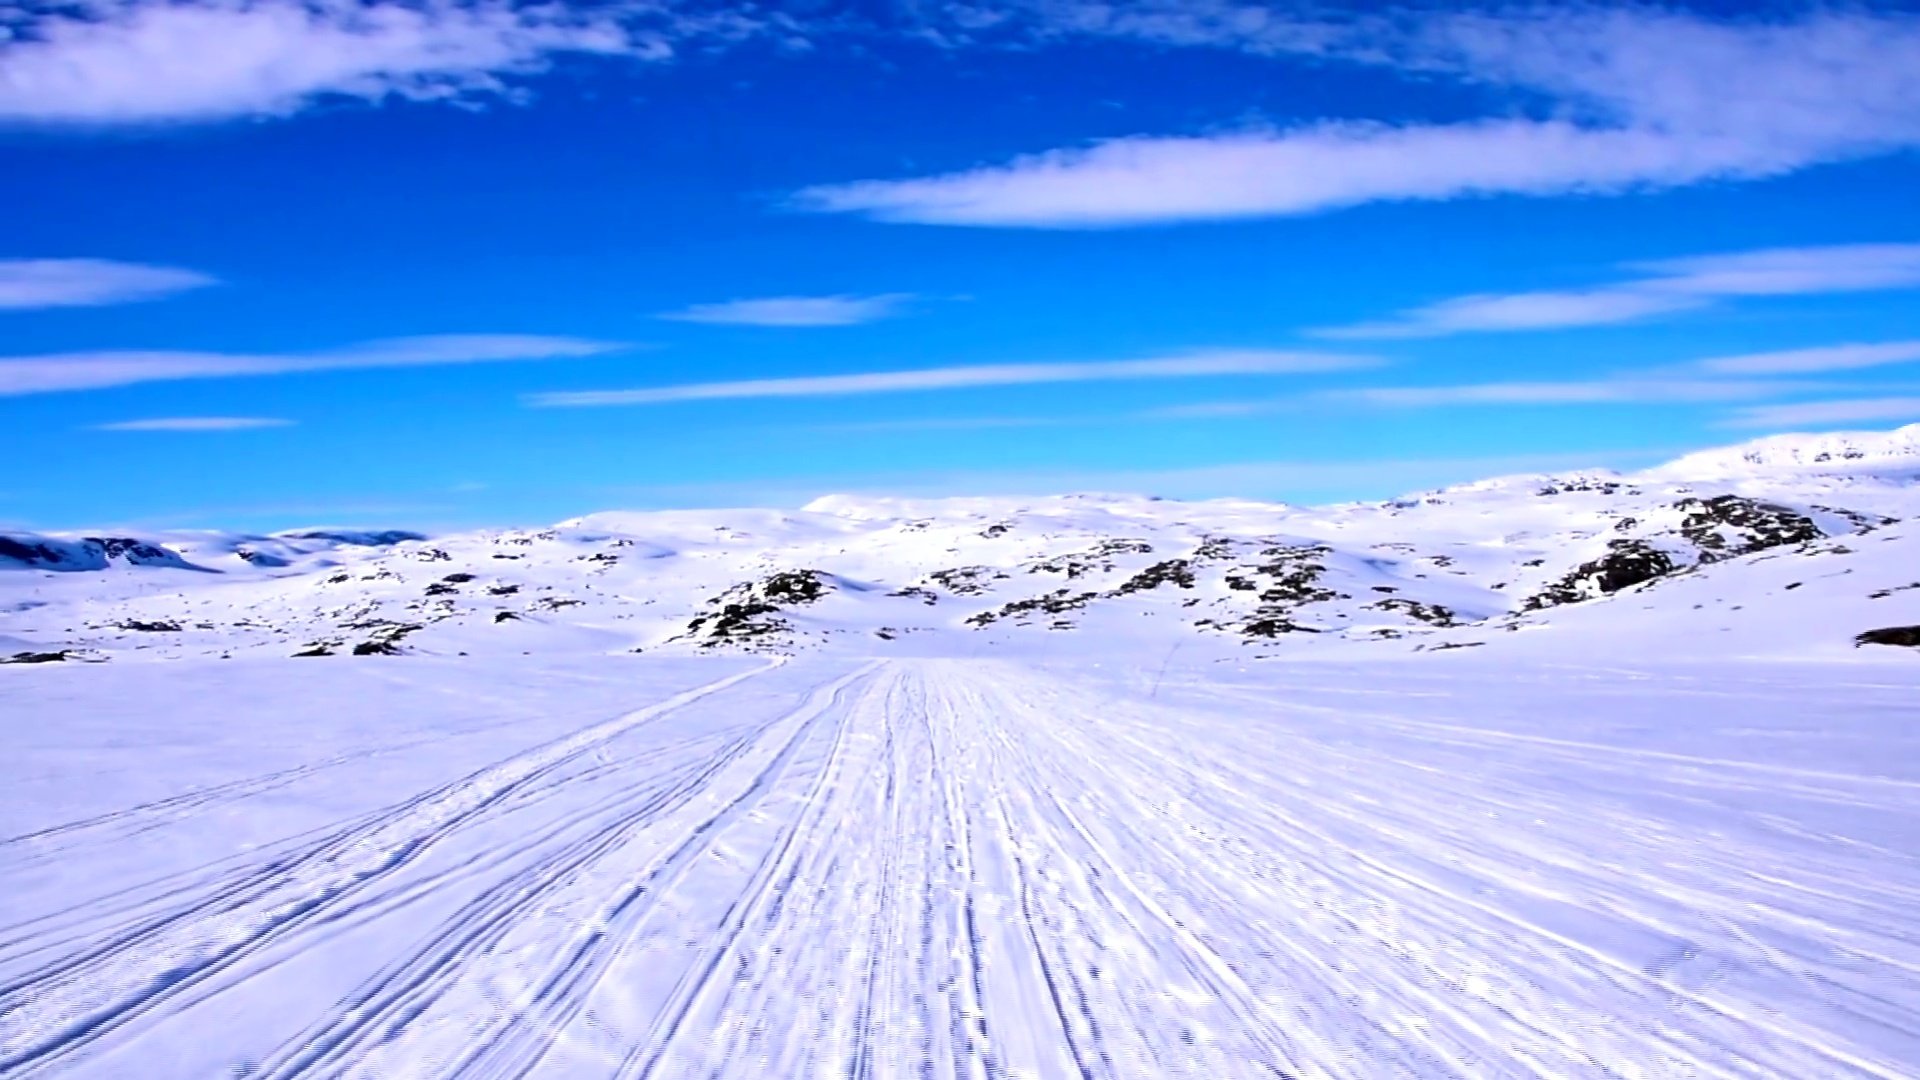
x=964, y=868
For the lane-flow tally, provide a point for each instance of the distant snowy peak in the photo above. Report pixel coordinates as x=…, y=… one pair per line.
x=1866, y=453
x=35, y=552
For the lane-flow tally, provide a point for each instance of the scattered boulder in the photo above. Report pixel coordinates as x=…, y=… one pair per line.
x=1908, y=636
x=1626, y=564
x=1172, y=571
x=965, y=580
x=1053, y=603
x=752, y=609
x=1726, y=526
x=37, y=657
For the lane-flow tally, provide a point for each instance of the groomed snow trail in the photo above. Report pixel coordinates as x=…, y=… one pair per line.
x=978, y=869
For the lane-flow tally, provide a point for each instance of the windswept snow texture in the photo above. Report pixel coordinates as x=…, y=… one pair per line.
x=1578, y=776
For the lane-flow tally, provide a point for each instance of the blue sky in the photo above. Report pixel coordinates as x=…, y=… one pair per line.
x=270, y=263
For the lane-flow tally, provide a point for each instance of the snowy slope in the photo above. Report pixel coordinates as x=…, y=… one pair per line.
x=1112, y=867
x=1572, y=776
x=956, y=576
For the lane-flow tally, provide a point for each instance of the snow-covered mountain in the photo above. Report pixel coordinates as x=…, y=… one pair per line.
x=1786, y=545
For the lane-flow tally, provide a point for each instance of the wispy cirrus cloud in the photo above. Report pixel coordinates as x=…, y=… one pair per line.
x=1665, y=287
x=98, y=370
x=1821, y=413
x=1636, y=100
x=841, y=310
x=1750, y=377
x=1185, y=366
x=27, y=284
x=196, y=424
x=147, y=61
x=1636, y=389
x=1825, y=358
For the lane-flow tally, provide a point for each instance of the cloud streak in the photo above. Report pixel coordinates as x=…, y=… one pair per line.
x=1634, y=389
x=1668, y=286
x=27, y=284
x=1191, y=365
x=151, y=61
x=1820, y=413
x=1824, y=359
x=99, y=370
x=1637, y=102
x=840, y=310
x=197, y=424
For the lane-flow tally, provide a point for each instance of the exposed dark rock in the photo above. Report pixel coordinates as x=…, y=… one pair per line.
x=155, y=627
x=1908, y=636
x=31, y=553
x=502, y=590
x=441, y=588
x=794, y=587
x=1604, y=487
x=384, y=538
x=458, y=579
x=1628, y=563
x=752, y=609
x=997, y=529
x=1213, y=547
x=385, y=638
x=1172, y=571
x=504, y=616
x=925, y=596
x=1434, y=614
x=965, y=580
x=37, y=657
x=1270, y=626
x=1099, y=558
x=315, y=650
x=1053, y=603
x=1725, y=526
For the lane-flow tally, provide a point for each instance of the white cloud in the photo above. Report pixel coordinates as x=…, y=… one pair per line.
x=1638, y=389
x=1640, y=101
x=1806, y=413
x=197, y=423
x=1191, y=365
x=1672, y=285
x=143, y=61
x=1491, y=312
x=795, y=310
x=1824, y=358
x=97, y=370
x=48, y=283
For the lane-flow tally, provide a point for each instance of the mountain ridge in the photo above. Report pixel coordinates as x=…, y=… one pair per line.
x=1465, y=566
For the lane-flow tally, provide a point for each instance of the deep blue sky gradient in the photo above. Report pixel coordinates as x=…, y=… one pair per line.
x=619, y=192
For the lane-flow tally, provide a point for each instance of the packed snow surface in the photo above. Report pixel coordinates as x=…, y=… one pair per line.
x=1591, y=776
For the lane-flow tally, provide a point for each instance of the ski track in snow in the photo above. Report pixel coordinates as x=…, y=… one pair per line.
x=980, y=869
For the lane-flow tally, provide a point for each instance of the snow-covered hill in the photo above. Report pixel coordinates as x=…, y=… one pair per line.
x=1788, y=545
x=1024, y=802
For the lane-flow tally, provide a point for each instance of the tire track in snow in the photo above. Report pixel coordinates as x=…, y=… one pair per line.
x=64, y=1007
